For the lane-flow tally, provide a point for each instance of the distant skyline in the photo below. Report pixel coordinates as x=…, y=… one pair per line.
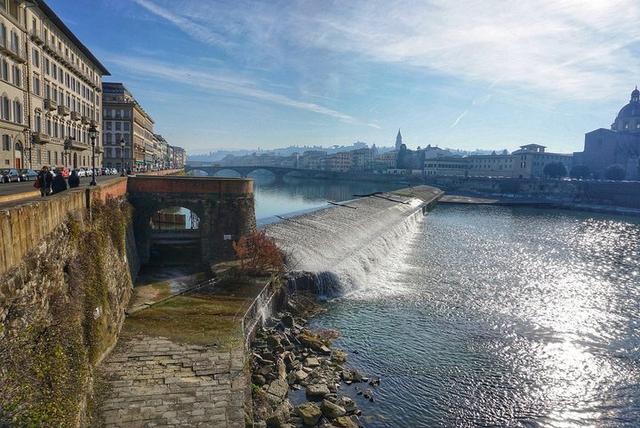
x=466, y=74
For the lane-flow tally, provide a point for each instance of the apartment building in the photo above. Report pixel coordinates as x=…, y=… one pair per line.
x=447, y=167
x=527, y=162
x=128, y=130
x=50, y=90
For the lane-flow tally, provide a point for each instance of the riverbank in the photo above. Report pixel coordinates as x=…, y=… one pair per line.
x=297, y=375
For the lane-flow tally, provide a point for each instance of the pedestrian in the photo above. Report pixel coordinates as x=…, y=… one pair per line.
x=44, y=181
x=74, y=179
x=59, y=183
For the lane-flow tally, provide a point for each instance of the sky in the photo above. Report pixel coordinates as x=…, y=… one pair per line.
x=467, y=74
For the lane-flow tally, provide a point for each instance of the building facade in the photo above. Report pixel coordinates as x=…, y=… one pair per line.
x=447, y=167
x=527, y=162
x=619, y=145
x=129, y=140
x=50, y=90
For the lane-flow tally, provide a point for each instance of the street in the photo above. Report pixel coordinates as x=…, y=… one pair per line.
x=26, y=186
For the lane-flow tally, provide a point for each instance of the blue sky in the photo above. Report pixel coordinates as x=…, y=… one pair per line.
x=464, y=74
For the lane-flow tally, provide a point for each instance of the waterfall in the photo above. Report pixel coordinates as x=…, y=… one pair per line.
x=334, y=251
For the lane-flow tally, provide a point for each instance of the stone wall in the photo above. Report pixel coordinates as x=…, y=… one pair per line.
x=620, y=194
x=64, y=288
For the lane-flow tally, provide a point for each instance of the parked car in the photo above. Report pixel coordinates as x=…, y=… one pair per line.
x=9, y=175
x=114, y=171
x=81, y=172
x=27, y=175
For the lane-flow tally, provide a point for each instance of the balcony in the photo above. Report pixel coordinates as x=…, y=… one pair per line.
x=15, y=52
x=50, y=105
x=85, y=120
x=39, y=137
x=63, y=110
x=36, y=36
x=75, y=115
x=74, y=144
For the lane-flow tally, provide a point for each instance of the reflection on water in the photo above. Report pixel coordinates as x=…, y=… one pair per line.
x=295, y=195
x=500, y=316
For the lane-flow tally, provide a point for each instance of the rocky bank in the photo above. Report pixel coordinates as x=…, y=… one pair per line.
x=288, y=359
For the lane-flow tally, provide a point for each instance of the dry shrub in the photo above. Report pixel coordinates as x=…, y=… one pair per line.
x=258, y=254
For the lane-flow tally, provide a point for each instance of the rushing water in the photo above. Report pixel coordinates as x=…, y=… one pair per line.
x=493, y=316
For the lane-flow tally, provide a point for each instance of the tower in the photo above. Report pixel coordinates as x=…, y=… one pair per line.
x=398, y=140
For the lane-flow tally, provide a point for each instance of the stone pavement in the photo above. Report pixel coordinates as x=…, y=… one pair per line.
x=154, y=382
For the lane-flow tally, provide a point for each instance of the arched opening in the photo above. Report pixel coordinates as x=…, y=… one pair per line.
x=175, y=237
x=18, y=155
x=228, y=173
x=75, y=161
x=262, y=176
x=197, y=173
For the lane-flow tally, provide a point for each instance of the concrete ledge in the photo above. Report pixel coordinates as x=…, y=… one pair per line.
x=19, y=196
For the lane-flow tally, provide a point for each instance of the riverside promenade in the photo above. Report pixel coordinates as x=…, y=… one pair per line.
x=180, y=358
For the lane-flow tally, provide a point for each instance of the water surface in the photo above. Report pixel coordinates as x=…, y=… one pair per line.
x=493, y=316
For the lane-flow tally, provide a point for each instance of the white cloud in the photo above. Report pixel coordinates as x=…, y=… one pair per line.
x=221, y=83
x=573, y=49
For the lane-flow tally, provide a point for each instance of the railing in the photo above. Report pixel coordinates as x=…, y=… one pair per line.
x=253, y=314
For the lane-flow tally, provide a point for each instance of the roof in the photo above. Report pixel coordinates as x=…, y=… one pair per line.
x=67, y=32
x=532, y=145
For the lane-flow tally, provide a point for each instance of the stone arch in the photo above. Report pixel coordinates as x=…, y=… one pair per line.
x=221, y=173
x=18, y=154
x=197, y=172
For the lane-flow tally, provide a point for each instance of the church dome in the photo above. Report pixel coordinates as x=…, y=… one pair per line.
x=628, y=118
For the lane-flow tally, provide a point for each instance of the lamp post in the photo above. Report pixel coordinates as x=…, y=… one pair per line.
x=122, y=155
x=92, y=134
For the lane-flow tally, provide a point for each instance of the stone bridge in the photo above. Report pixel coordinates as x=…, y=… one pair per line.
x=225, y=207
x=277, y=171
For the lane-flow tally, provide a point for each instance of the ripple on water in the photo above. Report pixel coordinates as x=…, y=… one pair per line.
x=498, y=316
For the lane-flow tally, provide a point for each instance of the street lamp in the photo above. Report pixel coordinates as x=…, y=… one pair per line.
x=93, y=132
x=122, y=154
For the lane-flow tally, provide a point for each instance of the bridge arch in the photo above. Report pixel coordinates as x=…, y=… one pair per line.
x=228, y=173
x=195, y=172
x=224, y=207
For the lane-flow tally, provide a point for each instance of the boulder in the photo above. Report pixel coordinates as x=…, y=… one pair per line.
x=258, y=379
x=301, y=375
x=278, y=419
x=332, y=410
x=310, y=414
x=287, y=321
x=348, y=404
x=273, y=341
x=311, y=362
x=317, y=391
x=345, y=422
x=277, y=391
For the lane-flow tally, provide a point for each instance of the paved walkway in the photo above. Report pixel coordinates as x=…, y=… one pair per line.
x=154, y=382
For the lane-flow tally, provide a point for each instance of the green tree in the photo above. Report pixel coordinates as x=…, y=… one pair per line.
x=615, y=172
x=580, y=171
x=555, y=170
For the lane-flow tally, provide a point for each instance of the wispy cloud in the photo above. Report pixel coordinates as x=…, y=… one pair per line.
x=220, y=83
x=563, y=48
x=193, y=29
x=458, y=119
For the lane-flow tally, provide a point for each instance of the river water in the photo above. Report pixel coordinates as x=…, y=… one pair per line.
x=492, y=316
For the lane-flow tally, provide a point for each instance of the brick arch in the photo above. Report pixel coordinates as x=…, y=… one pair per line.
x=225, y=208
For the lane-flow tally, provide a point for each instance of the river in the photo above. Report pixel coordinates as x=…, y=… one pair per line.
x=492, y=316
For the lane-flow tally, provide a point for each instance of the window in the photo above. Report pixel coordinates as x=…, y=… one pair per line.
x=118, y=126
x=4, y=69
x=36, y=58
x=38, y=121
x=6, y=143
x=3, y=32
x=17, y=76
x=5, y=108
x=47, y=64
x=36, y=84
x=15, y=42
x=49, y=126
x=17, y=111
x=125, y=126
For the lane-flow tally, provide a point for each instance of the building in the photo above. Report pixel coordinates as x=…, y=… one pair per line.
x=338, y=162
x=50, y=91
x=398, y=141
x=619, y=145
x=163, y=151
x=126, y=123
x=361, y=160
x=385, y=160
x=179, y=157
x=446, y=167
x=312, y=159
x=527, y=162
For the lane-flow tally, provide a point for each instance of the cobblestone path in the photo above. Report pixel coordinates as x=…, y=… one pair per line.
x=154, y=382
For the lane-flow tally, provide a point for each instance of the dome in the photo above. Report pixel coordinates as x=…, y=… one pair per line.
x=628, y=118
x=630, y=110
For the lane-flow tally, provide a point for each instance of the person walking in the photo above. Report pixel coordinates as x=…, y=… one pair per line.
x=74, y=179
x=44, y=181
x=59, y=183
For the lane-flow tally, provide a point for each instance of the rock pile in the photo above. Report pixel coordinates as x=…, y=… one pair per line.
x=289, y=356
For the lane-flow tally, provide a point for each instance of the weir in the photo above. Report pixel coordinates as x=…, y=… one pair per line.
x=331, y=251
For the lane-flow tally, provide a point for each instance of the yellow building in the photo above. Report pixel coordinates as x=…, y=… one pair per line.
x=50, y=90
x=446, y=167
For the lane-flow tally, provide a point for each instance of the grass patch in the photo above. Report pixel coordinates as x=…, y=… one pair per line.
x=197, y=320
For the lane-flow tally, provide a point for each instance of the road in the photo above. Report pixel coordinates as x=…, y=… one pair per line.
x=27, y=186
